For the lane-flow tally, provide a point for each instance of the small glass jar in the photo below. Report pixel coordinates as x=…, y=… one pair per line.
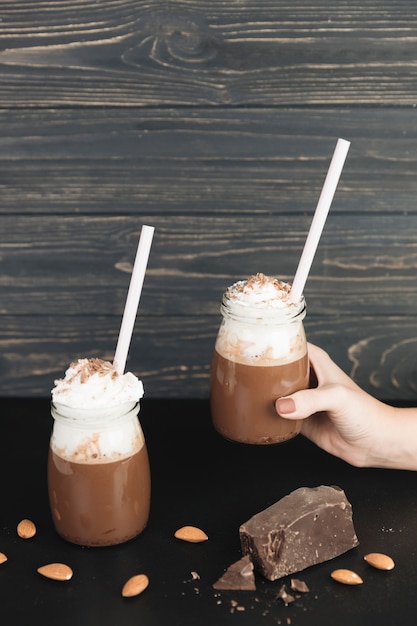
x=99, y=479
x=260, y=355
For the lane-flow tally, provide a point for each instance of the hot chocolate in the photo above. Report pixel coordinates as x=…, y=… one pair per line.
x=98, y=469
x=243, y=398
x=260, y=355
x=85, y=503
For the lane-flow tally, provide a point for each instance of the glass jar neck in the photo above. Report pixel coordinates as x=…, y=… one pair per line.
x=93, y=417
x=258, y=314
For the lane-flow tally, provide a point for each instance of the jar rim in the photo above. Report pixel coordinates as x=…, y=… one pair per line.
x=256, y=314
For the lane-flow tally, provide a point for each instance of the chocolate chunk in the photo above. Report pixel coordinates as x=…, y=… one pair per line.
x=310, y=525
x=239, y=576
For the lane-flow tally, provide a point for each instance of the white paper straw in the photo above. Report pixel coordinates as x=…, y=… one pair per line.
x=319, y=219
x=133, y=297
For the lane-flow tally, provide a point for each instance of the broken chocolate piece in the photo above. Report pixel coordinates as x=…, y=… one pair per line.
x=310, y=525
x=239, y=576
x=287, y=598
x=299, y=585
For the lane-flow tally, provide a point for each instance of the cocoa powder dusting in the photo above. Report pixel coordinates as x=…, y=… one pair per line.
x=261, y=279
x=93, y=366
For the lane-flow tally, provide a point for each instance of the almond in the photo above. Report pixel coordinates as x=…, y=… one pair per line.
x=3, y=558
x=56, y=571
x=379, y=560
x=26, y=529
x=346, y=576
x=135, y=585
x=191, y=534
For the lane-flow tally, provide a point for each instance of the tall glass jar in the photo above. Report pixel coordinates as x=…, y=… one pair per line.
x=260, y=355
x=99, y=479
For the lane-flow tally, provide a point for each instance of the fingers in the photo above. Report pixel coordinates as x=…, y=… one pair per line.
x=332, y=385
x=302, y=404
x=326, y=370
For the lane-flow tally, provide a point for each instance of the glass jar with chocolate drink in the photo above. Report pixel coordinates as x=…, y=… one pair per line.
x=99, y=479
x=260, y=355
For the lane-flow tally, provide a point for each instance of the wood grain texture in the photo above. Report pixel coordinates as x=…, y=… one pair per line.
x=172, y=354
x=214, y=122
x=125, y=53
x=206, y=161
x=80, y=266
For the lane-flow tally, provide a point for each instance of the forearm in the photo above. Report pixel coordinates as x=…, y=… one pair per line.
x=396, y=441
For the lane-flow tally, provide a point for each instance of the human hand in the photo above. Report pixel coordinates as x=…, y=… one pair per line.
x=338, y=415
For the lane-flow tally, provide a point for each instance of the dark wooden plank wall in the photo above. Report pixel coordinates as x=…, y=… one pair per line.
x=214, y=122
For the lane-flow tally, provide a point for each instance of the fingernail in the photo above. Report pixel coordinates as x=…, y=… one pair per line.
x=285, y=405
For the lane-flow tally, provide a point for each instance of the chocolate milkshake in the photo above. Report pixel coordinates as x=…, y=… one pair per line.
x=98, y=467
x=260, y=355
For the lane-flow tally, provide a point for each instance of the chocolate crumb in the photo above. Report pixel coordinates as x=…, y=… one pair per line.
x=261, y=279
x=235, y=606
x=282, y=594
x=299, y=585
x=87, y=367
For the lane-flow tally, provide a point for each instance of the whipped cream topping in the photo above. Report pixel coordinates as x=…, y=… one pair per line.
x=260, y=325
x=261, y=291
x=94, y=436
x=93, y=383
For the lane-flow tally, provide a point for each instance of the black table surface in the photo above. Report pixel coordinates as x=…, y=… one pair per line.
x=199, y=479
